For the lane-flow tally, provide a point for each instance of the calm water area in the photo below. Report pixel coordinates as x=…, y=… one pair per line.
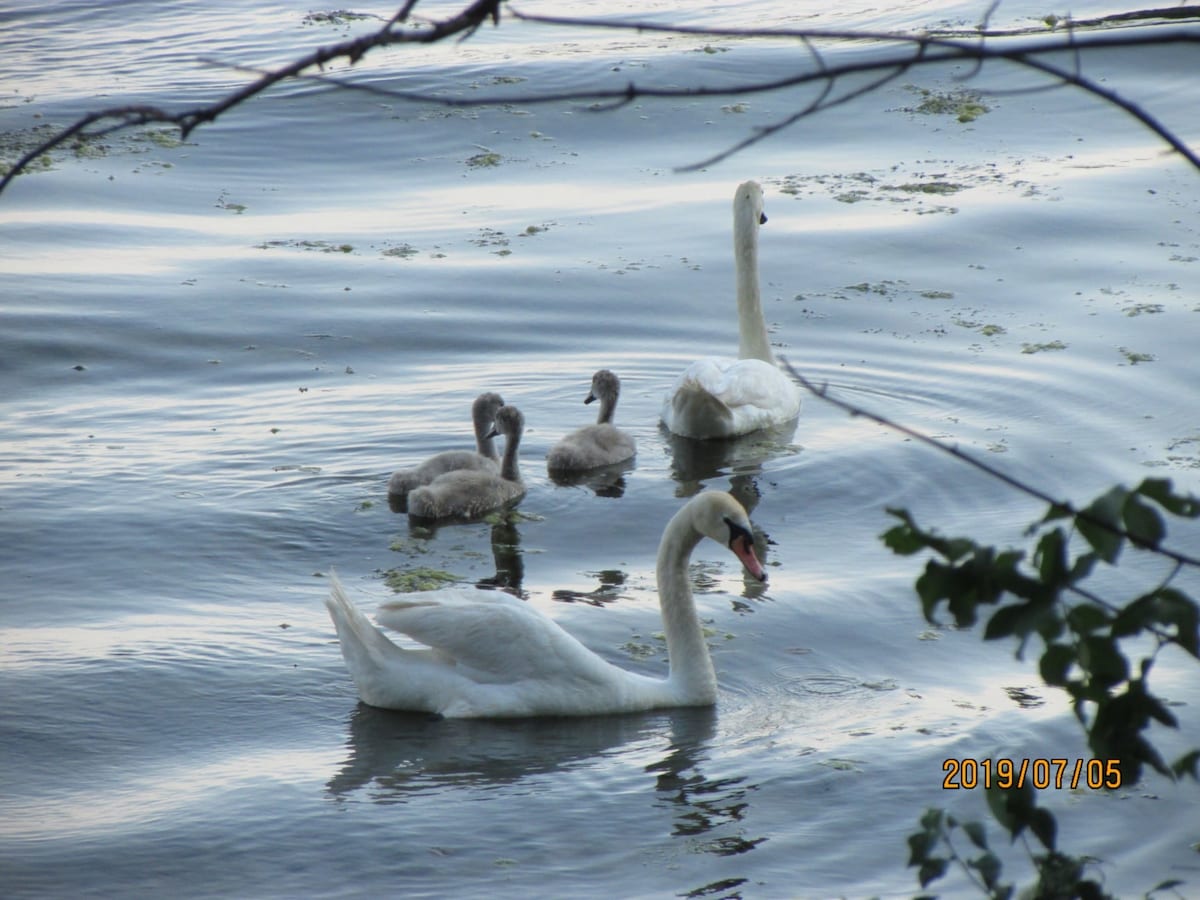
x=213, y=354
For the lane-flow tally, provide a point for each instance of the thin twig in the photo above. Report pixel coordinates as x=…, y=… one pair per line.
x=856, y=411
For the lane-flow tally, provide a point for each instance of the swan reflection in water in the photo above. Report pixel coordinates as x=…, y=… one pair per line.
x=603, y=481
x=395, y=757
x=507, y=556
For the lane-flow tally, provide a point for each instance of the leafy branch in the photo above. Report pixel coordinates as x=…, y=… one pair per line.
x=1084, y=644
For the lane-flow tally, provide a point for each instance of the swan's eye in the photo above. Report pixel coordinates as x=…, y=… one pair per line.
x=762, y=218
x=737, y=531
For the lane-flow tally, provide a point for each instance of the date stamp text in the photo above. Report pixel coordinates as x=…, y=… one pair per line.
x=969, y=774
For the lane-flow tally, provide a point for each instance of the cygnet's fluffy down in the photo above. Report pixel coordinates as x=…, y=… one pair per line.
x=469, y=494
x=593, y=446
x=483, y=458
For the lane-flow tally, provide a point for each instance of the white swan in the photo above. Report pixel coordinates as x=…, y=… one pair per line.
x=719, y=398
x=488, y=654
x=593, y=446
x=470, y=493
x=483, y=415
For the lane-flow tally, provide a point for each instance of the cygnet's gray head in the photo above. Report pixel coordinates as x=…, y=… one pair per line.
x=605, y=384
x=486, y=406
x=510, y=422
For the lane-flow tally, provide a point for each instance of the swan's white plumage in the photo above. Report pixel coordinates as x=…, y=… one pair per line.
x=720, y=398
x=487, y=654
x=470, y=493
x=484, y=458
x=601, y=444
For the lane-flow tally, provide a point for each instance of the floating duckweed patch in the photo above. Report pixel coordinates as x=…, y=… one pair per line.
x=1134, y=358
x=735, y=108
x=336, y=17
x=419, y=578
x=490, y=237
x=167, y=138
x=639, y=649
x=991, y=330
x=938, y=295
x=89, y=148
x=965, y=105
x=1042, y=348
x=484, y=160
x=864, y=287
x=1139, y=309
x=292, y=244
x=403, y=251
x=926, y=187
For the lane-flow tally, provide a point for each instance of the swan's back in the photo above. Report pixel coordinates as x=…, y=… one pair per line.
x=722, y=398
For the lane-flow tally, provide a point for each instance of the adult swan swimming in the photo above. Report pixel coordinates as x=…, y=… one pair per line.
x=721, y=398
x=488, y=654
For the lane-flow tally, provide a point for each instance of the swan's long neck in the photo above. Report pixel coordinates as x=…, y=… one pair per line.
x=608, y=406
x=691, y=667
x=508, y=466
x=752, y=327
x=483, y=441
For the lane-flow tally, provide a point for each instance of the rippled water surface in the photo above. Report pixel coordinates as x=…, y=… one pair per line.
x=214, y=353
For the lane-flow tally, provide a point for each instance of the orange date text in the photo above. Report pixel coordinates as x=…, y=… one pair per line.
x=969, y=774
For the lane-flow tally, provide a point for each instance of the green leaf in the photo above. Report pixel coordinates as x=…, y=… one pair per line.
x=1086, y=618
x=931, y=820
x=1143, y=523
x=976, y=833
x=1165, y=608
x=1100, y=658
x=1166, y=885
x=1058, y=511
x=1055, y=663
x=1176, y=608
x=1082, y=567
x=902, y=540
x=1051, y=557
x=988, y=866
x=931, y=870
x=919, y=845
x=1161, y=492
x=1188, y=764
x=1100, y=521
x=1041, y=823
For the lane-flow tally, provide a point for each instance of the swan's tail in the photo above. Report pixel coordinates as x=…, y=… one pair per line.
x=366, y=649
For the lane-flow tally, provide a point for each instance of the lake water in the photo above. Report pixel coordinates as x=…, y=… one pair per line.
x=213, y=354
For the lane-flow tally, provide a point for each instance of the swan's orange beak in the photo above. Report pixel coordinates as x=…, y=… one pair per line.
x=743, y=549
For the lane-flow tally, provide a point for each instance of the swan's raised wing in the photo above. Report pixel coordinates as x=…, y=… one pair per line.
x=493, y=634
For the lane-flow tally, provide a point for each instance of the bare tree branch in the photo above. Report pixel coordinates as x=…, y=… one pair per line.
x=902, y=53
x=465, y=22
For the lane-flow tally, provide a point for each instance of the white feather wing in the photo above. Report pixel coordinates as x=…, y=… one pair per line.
x=497, y=636
x=717, y=397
